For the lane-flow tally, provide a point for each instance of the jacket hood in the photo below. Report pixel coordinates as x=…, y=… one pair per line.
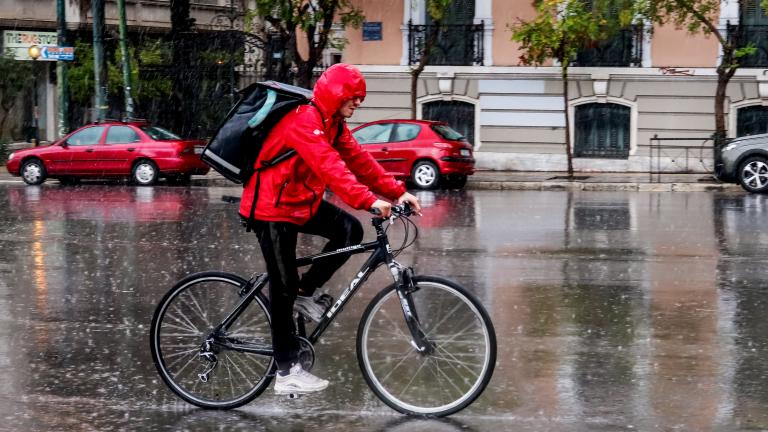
x=337, y=84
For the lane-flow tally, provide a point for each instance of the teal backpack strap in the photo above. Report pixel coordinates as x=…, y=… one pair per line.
x=261, y=114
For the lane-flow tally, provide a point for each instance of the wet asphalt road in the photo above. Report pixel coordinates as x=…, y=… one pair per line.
x=613, y=310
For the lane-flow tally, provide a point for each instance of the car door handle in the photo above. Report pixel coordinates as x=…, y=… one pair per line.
x=384, y=149
x=131, y=148
x=89, y=150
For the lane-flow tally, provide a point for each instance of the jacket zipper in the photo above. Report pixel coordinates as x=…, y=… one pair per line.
x=280, y=193
x=314, y=197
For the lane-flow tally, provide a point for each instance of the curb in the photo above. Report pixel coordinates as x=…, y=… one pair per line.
x=611, y=187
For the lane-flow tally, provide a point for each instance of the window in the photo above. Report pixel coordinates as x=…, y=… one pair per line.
x=159, y=134
x=447, y=133
x=602, y=131
x=624, y=48
x=752, y=29
x=751, y=120
x=459, y=115
x=405, y=132
x=90, y=136
x=459, y=40
x=122, y=135
x=374, y=134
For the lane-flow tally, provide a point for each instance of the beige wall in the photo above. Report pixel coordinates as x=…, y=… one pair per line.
x=389, y=49
x=671, y=47
x=506, y=13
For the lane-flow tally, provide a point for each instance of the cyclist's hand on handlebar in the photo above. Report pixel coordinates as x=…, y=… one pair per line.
x=381, y=208
x=412, y=200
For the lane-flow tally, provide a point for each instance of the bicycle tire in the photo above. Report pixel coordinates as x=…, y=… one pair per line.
x=441, y=305
x=186, y=317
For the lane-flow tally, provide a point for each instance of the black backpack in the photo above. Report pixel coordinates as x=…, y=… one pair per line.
x=237, y=142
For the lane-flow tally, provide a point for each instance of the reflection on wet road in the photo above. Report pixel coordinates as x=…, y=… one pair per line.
x=613, y=310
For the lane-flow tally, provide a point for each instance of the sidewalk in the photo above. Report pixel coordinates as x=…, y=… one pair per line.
x=529, y=180
x=597, y=181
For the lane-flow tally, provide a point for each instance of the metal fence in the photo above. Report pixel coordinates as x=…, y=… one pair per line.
x=680, y=155
x=456, y=44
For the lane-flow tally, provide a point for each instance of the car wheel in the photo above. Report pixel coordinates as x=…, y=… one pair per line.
x=456, y=182
x=145, y=173
x=33, y=172
x=753, y=174
x=425, y=175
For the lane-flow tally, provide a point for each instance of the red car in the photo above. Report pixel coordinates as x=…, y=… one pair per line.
x=111, y=149
x=428, y=153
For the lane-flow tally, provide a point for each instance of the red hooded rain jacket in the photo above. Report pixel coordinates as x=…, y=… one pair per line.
x=291, y=191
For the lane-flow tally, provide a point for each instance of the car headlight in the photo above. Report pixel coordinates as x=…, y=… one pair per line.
x=730, y=147
x=10, y=156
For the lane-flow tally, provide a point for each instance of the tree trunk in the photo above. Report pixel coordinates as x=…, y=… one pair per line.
x=3, y=119
x=414, y=89
x=568, y=154
x=423, y=61
x=725, y=72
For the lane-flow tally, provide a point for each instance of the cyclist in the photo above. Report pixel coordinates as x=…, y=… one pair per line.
x=287, y=199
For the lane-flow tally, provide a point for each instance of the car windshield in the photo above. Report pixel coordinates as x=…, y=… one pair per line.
x=446, y=132
x=159, y=134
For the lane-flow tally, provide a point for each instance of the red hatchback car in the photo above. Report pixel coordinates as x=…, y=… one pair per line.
x=111, y=149
x=428, y=153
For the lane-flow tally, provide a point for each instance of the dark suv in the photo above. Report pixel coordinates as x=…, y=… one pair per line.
x=745, y=161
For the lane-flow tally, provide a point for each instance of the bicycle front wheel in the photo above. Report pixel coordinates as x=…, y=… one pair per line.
x=437, y=383
x=203, y=363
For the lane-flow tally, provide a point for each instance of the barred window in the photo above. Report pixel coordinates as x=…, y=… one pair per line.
x=602, y=131
x=752, y=120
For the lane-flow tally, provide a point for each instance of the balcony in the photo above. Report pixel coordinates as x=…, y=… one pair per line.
x=623, y=50
x=457, y=44
x=757, y=35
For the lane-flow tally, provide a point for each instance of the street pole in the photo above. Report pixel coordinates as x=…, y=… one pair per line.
x=62, y=82
x=126, y=59
x=34, y=53
x=97, y=10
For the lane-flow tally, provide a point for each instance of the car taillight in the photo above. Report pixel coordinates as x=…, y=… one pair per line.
x=441, y=145
x=186, y=150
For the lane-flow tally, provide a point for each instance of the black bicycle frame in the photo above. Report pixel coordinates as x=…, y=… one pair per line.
x=382, y=254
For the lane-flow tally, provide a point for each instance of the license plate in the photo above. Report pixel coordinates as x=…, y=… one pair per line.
x=198, y=150
x=465, y=152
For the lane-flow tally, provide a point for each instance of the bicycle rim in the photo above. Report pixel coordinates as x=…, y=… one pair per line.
x=435, y=384
x=186, y=318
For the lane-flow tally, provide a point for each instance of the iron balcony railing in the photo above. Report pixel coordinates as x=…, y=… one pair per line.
x=623, y=50
x=757, y=35
x=456, y=44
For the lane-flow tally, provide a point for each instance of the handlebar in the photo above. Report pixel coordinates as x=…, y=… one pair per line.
x=403, y=209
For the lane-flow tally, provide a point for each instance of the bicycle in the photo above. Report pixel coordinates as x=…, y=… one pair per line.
x=425, y=345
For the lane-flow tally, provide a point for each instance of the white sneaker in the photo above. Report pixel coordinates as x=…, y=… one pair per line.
x=298, y=381
x=313, y=307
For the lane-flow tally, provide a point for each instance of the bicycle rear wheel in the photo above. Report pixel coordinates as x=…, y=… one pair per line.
x=193, y=355
x=432, y=384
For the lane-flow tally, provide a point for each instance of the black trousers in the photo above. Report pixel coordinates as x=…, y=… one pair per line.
x=278, y=245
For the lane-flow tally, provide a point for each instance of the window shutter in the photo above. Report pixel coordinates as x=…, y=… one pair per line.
x=752, y=13
x=602, y=131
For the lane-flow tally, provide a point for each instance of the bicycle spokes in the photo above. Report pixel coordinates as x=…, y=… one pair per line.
x=200, y=360
x=447, y=368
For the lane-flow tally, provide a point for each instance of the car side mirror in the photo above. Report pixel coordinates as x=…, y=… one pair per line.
x=64, y=144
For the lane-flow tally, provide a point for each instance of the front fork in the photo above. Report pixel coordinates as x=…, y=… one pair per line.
x=405, y=288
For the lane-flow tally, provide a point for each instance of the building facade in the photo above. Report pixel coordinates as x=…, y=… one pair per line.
x=643, y=102
x=649, y=82
x=34, y=22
